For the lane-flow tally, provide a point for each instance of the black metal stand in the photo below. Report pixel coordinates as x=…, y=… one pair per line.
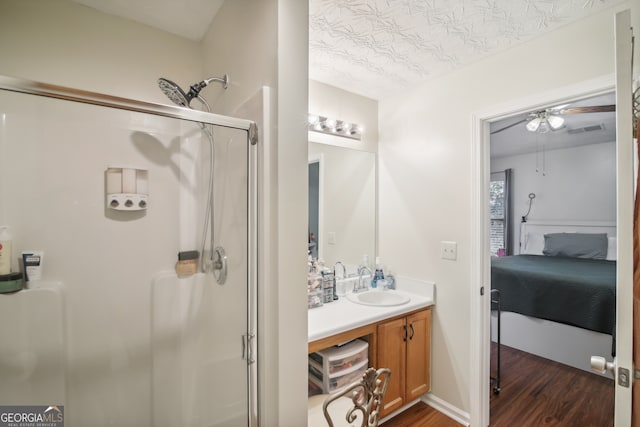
x=495, y=305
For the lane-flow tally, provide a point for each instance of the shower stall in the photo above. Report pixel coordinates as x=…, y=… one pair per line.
x=111, y=334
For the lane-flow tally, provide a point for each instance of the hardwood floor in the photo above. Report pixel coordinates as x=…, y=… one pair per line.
x=421, y=415
x=540, y=392
x=535, y=392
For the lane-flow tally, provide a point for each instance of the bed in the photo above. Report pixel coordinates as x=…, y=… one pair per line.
x=559, y=305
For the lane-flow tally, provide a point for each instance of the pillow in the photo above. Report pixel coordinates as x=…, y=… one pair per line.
x=533, y=244
x=576, y=245
x=612, y=250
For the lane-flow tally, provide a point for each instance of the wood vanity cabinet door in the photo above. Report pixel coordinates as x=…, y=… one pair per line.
x=392, y=354
x=418, y=354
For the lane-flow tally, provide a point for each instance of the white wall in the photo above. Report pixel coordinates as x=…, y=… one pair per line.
x=425, y=182
x=61, y=42
x=578, y=184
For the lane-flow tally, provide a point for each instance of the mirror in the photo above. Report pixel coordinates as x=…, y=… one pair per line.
x=342, y=204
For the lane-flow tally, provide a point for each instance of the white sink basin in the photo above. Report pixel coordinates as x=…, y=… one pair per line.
x=379, y=298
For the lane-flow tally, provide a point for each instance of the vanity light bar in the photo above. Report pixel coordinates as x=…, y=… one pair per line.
x=334, y=127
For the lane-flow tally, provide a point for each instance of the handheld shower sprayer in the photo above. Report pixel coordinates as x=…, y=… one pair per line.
x=217, y=259
x=182, y=98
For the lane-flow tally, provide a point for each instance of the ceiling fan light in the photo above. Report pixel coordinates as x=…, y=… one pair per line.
x=544, y=127
x=534, y=124
x=555, y=122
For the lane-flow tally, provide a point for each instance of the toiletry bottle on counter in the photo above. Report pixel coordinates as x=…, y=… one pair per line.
x=5, y=250
x=378, y=274
x=390, y=278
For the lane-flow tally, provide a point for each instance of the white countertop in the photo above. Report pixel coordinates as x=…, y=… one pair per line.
x=343, y=315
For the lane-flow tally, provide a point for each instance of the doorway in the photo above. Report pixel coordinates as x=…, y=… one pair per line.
x=543, y=184
x=480, y=253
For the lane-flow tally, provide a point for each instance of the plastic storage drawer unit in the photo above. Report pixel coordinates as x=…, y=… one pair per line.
x=336, y=382
x=336, y=359
x=336, y=367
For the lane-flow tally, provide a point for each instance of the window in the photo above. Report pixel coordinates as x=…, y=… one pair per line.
x=496, y=213
x=499, y=213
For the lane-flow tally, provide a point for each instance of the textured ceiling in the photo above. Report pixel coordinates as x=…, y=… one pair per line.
x=374, y=47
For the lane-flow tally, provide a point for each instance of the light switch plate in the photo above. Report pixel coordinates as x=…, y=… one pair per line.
x=449, y=250
x=331, y=238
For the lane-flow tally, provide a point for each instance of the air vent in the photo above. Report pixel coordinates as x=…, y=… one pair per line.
x=586, y=129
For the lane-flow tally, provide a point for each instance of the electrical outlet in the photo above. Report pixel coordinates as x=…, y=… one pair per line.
x=448, y=250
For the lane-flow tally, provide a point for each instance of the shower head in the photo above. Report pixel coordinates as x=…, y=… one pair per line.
x=179, y=97
x=174, y=92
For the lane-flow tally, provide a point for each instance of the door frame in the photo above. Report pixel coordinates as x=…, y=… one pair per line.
x=480, y=257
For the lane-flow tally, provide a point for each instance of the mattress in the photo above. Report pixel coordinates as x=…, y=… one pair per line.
x=574, y=291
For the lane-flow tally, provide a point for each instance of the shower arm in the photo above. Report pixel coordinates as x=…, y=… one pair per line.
x=224, y=80
x=194, y=90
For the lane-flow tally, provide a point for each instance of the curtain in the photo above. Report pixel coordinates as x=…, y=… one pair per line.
x=508, y=218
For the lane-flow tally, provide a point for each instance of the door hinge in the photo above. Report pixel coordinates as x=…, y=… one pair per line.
x=481, y=290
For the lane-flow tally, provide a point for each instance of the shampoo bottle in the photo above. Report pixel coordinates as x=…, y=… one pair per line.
x=5, y=250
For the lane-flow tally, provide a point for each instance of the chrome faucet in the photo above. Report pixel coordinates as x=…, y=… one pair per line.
x=359, y=286
x=335, y=278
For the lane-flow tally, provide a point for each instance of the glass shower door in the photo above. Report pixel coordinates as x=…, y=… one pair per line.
x=111, y=333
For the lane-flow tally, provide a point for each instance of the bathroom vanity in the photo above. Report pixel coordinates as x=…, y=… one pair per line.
x=399, y=337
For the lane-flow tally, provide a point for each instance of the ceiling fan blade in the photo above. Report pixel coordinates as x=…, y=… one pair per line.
x=509, y=126
x=554, y=110
x=591, y=109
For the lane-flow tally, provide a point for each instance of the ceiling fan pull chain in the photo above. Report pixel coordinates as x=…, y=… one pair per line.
x=537, y=154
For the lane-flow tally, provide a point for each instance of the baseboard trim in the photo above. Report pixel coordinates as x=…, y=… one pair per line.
x=448, y=409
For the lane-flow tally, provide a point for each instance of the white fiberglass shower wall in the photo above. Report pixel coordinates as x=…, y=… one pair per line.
x=111, y=332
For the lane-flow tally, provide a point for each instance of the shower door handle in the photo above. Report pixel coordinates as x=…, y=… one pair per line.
x=247, y=348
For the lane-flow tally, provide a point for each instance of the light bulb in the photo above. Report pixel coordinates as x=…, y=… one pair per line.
x=555, y=122
x=330, y=124
x=313, y=119
x=544, y=126
x=534, y=124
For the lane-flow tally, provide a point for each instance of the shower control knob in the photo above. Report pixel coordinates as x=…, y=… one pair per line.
x=114, y=203
x=128, y=203
x=142, y=204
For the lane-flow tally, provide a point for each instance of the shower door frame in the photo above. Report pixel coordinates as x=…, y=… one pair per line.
x=249, y=339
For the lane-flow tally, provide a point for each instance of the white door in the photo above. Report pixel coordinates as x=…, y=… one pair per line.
x=625, y=197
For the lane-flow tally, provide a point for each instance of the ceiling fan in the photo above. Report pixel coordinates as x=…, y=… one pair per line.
x=543, y=121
